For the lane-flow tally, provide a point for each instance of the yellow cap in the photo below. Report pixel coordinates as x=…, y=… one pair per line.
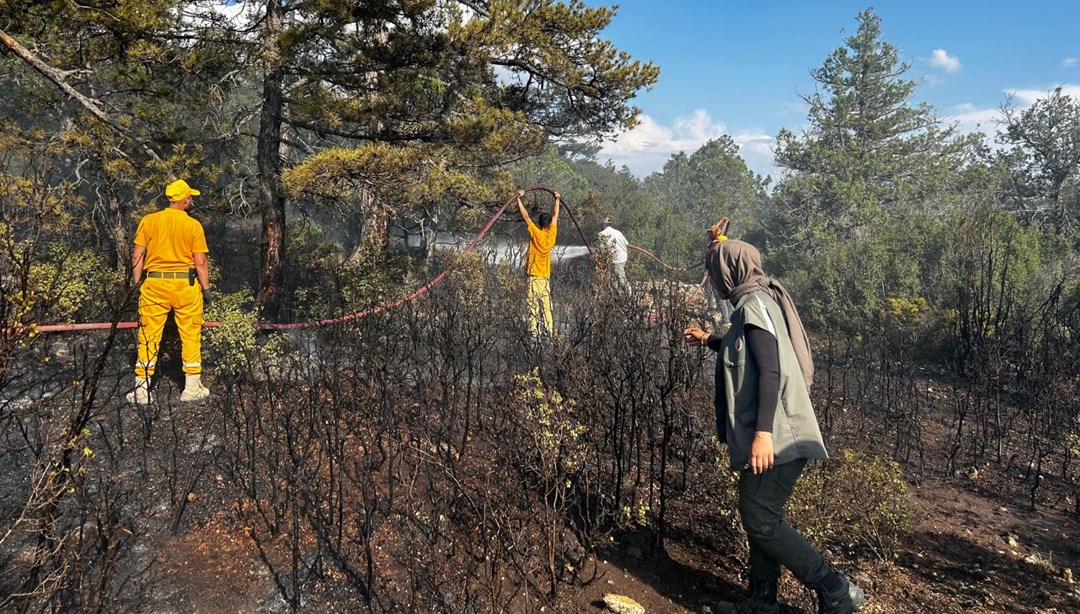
x=179, y=190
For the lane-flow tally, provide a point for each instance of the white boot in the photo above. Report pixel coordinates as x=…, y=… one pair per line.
x=193, y=389
x=141, y=394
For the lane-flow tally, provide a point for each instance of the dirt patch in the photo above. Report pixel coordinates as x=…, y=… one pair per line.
x=215, y=568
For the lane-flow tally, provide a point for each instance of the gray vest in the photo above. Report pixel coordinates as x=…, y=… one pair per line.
x=795, y=428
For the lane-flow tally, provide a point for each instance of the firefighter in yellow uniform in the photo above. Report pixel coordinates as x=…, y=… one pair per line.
x=538, y=265
x=169, y=260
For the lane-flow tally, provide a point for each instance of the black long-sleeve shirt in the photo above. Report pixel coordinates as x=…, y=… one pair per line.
x=761, y=344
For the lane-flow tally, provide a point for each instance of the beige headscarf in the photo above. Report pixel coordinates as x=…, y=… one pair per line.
x=735, y=271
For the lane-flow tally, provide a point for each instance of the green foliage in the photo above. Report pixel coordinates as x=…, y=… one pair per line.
x=904, y=314
x=870, y=495
x=552, y=169
x=403, y=176
x=155, y=88
x=726, y=493
x=434, y=97
x=1044, y=160
x=558, y=438
x=49, y=272
x=414, y=113
x=468, y=282
x=230, y=345
x=67, y=282
x=856, y=500
x=606, y=191
x=859, y=502
x=994, y=267
x=859, y=217
x=709, y=183
x=326, y=282
x=843, y=284
x=868, y=146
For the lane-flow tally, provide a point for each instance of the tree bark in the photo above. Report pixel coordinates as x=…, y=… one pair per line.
x=377, y=233
x=268, y=160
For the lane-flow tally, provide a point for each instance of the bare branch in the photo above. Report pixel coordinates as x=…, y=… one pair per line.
x=58, y=77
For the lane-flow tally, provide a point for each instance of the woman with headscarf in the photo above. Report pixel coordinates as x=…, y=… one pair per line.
x=763, y=412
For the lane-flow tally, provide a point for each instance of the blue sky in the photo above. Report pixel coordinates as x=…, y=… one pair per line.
x=738, y=68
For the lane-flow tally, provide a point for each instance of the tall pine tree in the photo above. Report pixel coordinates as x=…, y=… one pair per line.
x=861, y=178
x=868, y=145
x=393, y=105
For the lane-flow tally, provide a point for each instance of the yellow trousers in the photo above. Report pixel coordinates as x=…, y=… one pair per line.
x=540, y=305
x=159, y=297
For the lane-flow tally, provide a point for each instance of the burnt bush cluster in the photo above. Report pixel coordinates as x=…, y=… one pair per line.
x=436, y=457
x=441, y=458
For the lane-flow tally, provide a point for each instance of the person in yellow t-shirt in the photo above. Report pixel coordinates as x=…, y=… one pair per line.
x=538, y=265
x=169, y=257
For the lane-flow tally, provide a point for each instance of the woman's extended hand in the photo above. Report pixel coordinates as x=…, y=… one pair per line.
x=761, y=452
x=695, y=337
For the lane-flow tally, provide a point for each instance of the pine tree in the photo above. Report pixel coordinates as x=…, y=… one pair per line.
x=392, y=106
x=122, y=97
x=870, y=169
x=381, y=109
x=707, y=184
x=1046, y=160
x=868, y=145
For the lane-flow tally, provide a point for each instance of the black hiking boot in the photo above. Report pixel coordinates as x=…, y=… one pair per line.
x=837, y=595
x=762, y=600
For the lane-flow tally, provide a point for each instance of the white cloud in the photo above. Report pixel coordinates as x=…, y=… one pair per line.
x=686, y=133
x=1069, y=62
x=968, y=118
x=941, y=59
x=645, y=148
x=1029, y=96
x=650, y=144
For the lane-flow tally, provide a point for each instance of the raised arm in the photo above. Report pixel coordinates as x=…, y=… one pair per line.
x=521, y=208
x=555, y=213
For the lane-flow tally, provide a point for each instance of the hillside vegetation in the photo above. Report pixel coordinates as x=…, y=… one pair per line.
x=435, y=457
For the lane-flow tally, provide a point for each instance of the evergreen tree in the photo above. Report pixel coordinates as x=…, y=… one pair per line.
x=868, y=146
x=124, y=97
x=863, y=179
x=396, y=105
x=707, y=184
x=1046, y=158
x=381, y=109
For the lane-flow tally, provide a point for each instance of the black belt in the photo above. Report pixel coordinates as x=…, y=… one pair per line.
x=168, y=274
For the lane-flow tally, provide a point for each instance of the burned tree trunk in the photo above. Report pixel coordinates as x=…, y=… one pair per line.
x=268, y=159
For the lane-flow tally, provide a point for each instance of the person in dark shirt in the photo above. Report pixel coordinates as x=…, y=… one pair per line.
x=763, y=374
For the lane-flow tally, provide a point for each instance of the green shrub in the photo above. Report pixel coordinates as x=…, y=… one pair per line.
x=856, y=501
x=67, y=282
x=231, y=344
